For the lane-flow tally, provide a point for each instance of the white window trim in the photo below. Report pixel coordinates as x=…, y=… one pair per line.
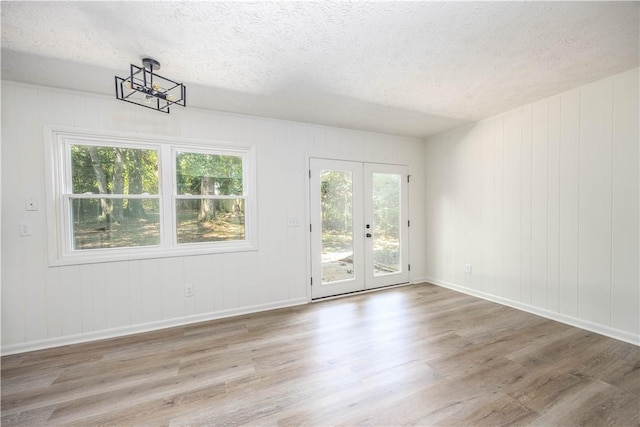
x=58, y=232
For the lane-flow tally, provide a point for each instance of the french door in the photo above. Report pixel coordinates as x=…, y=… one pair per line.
x=359, y=226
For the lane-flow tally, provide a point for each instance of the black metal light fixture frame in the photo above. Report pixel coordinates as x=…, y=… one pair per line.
x=146, y=88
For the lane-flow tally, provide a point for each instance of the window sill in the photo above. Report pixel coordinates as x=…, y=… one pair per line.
x=127, y=254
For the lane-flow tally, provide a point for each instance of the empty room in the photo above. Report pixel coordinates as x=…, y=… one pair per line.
x=320, y=213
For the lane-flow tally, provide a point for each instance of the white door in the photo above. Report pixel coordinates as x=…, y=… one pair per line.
x=359, y=226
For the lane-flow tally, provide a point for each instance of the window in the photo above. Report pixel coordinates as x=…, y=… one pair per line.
x=112, y=197
x=127, y=198
x=210, y=197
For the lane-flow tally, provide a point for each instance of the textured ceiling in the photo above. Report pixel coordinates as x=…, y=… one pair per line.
x=407, y=68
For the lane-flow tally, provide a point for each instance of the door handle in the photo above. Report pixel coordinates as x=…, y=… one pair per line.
x=368, y=234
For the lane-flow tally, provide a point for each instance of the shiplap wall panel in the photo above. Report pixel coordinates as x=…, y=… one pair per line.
x=451, y=228
x=135, y=291
x=118, y=301
x=483, y=271
x=579, y=206
x=227, y=268
x=43, y=111
x=35, y=310
x=459, y=172
x=30, y=182
x=35, y=292
x=226, y=128
x=432, y=216
x=196, y=125
x=55, y=304
x=203, y=273
x=151, y=304
x=96, y=117
x=436, y=167
x=189, y=277
x=553, y=205
x=98, y=288
x=54, y=108
x=11, y=240
x=594, y=292
x=217, y=280
x=512, y=227
x=525, y=251
x=466, y=238
x=296, y=175
x=539, y=203
x=625, y=257
x=498, y=226
x=171, y=270
x=79, y=111
x=472, y=200
x=250, y=291
x=355, y=150
x=71, y=293
x=42, y=303
x=86, y=288
x=569, y=203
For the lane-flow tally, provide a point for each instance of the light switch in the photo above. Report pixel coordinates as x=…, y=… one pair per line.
x=293, y=222
x=25, y=228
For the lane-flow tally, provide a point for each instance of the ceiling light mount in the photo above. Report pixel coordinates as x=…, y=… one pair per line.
x=146, y=88
x=150, y=64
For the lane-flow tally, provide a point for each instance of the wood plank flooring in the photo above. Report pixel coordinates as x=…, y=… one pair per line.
x=418, y=355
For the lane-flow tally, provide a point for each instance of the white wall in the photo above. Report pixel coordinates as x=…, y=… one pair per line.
x=46, y=306
x=543, y=202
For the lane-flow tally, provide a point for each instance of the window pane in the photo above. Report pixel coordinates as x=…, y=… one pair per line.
x=208, y=174
x=113, y=170
x=94, y=226
x=209, y=220
x=386, y=223
x=337, y=225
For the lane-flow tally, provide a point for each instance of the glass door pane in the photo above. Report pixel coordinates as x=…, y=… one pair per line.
x=386, y=192
x=336, y=201
x=337, y=237
x=386, y=223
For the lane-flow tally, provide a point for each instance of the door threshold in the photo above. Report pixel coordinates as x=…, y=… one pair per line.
x=364, y=291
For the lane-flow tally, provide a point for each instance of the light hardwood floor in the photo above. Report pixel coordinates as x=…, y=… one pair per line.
x=419, y=355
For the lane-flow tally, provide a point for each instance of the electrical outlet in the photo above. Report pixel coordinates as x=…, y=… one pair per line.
x=467, y=268
x=25, y=228
x=188, y=290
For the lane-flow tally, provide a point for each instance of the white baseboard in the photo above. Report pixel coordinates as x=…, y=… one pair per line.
x=145, y=327
x=421, y=279
x=162, y=324
x=563, y=318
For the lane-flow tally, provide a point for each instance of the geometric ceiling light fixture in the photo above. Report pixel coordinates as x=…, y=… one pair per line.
x=146, y=88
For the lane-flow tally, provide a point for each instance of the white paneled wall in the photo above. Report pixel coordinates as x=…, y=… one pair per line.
x=543, y=201
x=44, y=306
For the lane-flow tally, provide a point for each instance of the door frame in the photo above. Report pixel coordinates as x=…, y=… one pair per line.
x=405, y=249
